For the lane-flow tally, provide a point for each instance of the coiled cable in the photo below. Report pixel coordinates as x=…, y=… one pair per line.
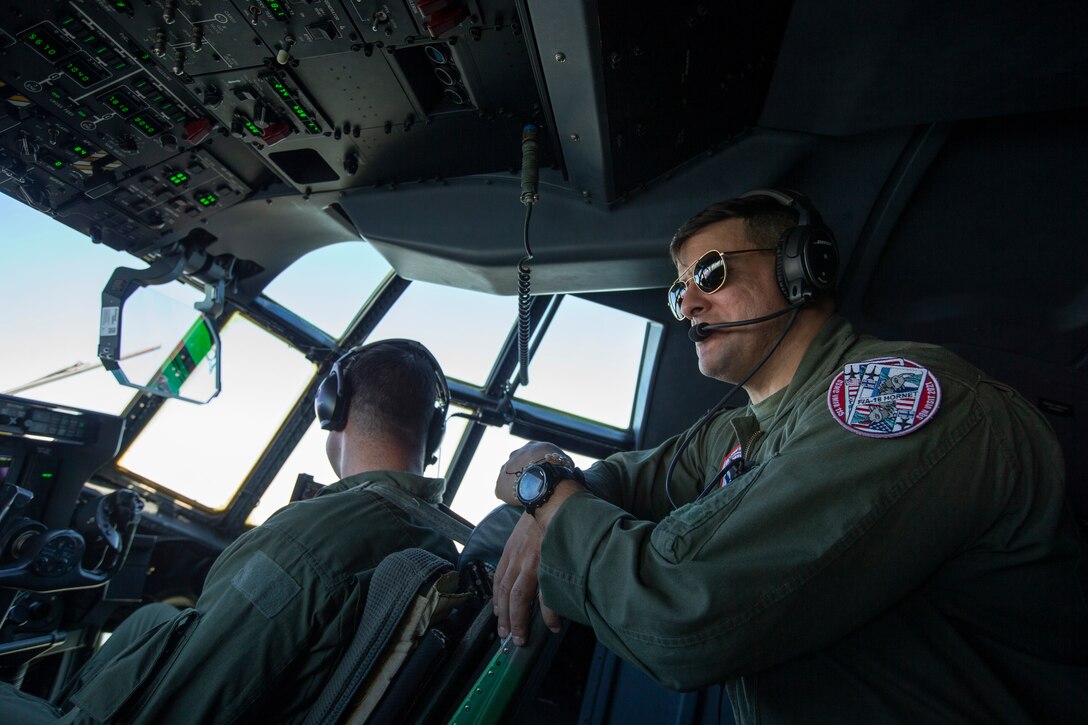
x=525, y=302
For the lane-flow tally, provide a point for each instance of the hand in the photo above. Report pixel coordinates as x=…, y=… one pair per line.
x=529, y=453
x=516, y=582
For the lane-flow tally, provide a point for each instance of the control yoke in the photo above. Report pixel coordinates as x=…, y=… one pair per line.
x=49, y=560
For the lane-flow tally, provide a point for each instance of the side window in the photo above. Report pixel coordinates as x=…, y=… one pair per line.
x=576, y=370
x=476, y=496
x=588, y=362
x=204, y=452
x=53, y=280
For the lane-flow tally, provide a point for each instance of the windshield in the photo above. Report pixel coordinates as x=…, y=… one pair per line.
x=202, y=455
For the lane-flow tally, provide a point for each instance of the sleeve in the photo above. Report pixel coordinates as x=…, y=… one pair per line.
x=800, y=550
x=635, y=481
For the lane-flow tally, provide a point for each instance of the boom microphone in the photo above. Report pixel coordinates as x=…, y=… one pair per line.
x=701, y=330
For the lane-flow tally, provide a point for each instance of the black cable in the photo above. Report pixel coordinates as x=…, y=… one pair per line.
x=525, y=302
x=710, y=413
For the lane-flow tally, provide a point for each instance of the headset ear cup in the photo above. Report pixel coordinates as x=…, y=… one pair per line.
x=790, y=266
x=780, y=267
x=329, y=405
x=436, y=431
x=821, y=261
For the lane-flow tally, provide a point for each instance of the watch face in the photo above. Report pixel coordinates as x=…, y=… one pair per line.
x=532, y=484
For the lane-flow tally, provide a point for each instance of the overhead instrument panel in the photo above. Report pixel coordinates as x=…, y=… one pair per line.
x=104, y=103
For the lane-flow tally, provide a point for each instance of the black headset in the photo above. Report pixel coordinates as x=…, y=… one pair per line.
x=807, y=256
x=333, y=396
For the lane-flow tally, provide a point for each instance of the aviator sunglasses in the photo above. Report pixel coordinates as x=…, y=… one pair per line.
x=708, y=272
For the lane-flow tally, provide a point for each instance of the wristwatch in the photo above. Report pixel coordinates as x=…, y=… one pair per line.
x=538, y=481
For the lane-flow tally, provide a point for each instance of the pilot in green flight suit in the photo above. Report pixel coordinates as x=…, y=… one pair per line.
x=281, y=602
x=880, y=536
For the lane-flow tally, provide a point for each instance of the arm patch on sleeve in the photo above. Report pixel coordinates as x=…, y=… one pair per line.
x=265, y=584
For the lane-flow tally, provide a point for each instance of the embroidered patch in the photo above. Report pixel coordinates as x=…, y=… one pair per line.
x=737, y=454
x=884, y=397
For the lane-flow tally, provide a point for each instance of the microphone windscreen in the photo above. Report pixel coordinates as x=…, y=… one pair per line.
x=698, y=332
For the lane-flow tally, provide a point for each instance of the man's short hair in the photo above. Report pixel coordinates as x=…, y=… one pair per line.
x=393, y=391
x=764, y=219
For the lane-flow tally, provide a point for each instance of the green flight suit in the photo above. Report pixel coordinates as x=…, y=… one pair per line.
x=933, y=577
x=278, y=607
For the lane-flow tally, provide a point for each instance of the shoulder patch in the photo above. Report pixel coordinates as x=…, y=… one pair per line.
x=884, y=397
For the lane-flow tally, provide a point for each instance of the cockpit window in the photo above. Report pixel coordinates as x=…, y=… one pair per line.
x=328, y=286
x=53, y=280
x=204, y=453
x=476, y=496
x=588, y=362
x=308, y=457
x=463, y=329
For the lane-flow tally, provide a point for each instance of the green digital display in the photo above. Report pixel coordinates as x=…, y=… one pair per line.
x=190, y=352
x=82, y=72
x=300, y=111
x=80, y=150
x=178, y=178
x=279, y=88
x=46, y=43
x=278, y=9
x=146, y=125
x=311, y=125
x=207, y=200
x=252, y=128
x=120, y=103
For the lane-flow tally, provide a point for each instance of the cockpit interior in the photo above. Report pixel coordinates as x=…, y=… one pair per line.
x=260, y=185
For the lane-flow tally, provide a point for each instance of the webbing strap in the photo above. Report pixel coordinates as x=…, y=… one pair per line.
x=396, y=582
x=419, y=509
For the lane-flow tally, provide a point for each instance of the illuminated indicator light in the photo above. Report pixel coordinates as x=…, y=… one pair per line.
x=179, y=178
x=45, y=43
x=58, y=164
x=278, y=9
x=120, y=103
x=253, y=129
x=82, y=74
x=207, y=199
x=146, y=126
x=80, y=151
x=47, y=475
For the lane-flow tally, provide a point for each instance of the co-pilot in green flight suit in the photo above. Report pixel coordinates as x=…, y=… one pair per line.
x=931, y=577
x=278, y=607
